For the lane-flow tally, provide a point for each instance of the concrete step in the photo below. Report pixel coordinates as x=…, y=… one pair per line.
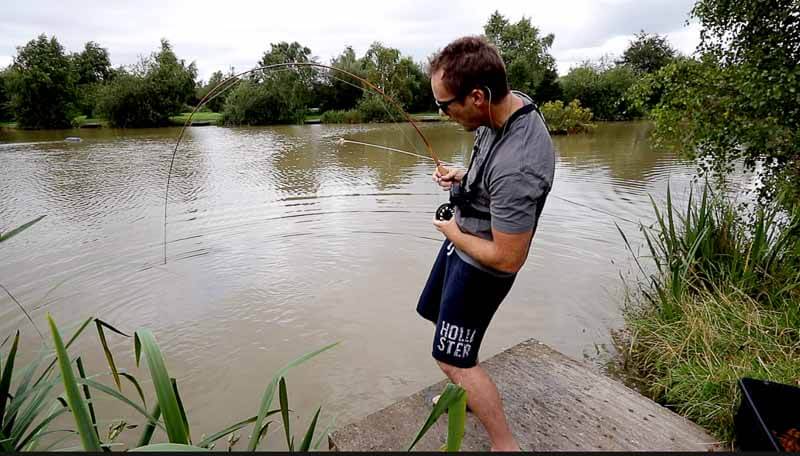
x=553, y=403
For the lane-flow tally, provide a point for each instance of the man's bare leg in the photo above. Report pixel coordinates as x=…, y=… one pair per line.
x=484, y=400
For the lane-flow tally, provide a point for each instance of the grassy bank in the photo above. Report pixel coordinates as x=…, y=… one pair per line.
x=721, y=305
x=213, y=117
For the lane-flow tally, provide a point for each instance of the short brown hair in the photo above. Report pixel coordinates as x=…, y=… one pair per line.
x=471, y=63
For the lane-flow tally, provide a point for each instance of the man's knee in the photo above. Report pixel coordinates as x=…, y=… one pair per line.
x=454, y=373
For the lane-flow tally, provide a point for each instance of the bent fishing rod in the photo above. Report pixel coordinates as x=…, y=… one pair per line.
x=231, y=80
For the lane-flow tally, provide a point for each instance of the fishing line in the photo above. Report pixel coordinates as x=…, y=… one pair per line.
x=342, y=141
x=233, y=79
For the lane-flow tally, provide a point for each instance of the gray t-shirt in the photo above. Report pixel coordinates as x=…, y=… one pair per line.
x=515, y=181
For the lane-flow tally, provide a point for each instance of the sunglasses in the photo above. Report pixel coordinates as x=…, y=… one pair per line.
x=444, y=106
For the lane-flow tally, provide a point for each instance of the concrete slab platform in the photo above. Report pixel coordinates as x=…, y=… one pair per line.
x=553, y=403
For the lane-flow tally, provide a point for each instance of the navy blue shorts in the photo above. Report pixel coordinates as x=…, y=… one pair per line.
x=461, y=300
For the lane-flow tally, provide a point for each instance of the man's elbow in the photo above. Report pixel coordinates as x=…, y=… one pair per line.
x=510, y=264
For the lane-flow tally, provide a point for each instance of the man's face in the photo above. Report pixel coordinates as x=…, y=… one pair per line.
x=464, y=111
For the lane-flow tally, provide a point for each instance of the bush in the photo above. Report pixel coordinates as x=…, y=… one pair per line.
x=157, y=88
x=350, y=116
x=374, y=108
x=568, y=119
x=262, y=103
x=127, y=102
x=602, y=89
x=721, y=305
x=88, y=97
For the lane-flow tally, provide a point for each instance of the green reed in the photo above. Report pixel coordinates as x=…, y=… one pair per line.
x=721, y=304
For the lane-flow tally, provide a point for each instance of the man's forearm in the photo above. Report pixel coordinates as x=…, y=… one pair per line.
x=483, y=251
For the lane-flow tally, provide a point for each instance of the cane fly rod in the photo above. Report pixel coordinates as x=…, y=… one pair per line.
x=232, y=80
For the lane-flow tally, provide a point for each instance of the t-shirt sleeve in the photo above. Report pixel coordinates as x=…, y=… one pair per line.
x=514, y=199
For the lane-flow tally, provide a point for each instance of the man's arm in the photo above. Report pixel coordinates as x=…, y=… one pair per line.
x=506, y=252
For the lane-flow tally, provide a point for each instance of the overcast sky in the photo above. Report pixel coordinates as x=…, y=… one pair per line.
x=222, y=33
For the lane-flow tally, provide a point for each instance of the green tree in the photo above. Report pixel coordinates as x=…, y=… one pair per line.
x=5, y=109
x=602, y=88
x=148, y=93
x=337, y=91
x=172, y=80
x=741, y=98
x=279, y=95
x=216, y=103
x=93, y=68
x=399, y=77
x=648, y=53
x=93, y=64
x=42, y=85
x=299, y=79
x=380, y=63
x=530, y=66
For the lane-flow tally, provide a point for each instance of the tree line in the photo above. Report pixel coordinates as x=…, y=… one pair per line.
x=47, y=87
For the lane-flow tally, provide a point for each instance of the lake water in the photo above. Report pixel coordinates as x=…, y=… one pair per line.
x=280, y=241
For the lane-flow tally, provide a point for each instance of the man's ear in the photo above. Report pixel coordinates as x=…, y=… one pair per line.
x=479, y=96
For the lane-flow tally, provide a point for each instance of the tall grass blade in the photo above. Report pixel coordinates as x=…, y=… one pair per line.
x=25, y=312
x=324, y=434
x=29, y=412
x=9, y=234
x=170, y=409
x=456, y=421
x=5, y=378
x=119, y=396
x=306, y=443
x=21, y=393
x=69, y=343
x=164, y=447
x=109, y=356
x=88, y=396
x=135, y=383
x=182, y=409
x=232, y=428
x=58, y=442
x=37, y=431
x=284, y=401
x=449, y=398
x=21, y=399
x=266, y=399
x=80, y=413
x=150, y=427
x=628, y=244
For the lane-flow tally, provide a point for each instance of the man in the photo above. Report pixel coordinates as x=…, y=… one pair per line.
x=498, y=203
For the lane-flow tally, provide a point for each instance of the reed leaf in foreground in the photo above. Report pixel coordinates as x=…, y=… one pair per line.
x=5, y=378
x=4, y=236
x=306, y=443
x=454, y=399
x=269, y=393
x=76, y=404
x=284, y=401
x=456, y=422
x=170, y=409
